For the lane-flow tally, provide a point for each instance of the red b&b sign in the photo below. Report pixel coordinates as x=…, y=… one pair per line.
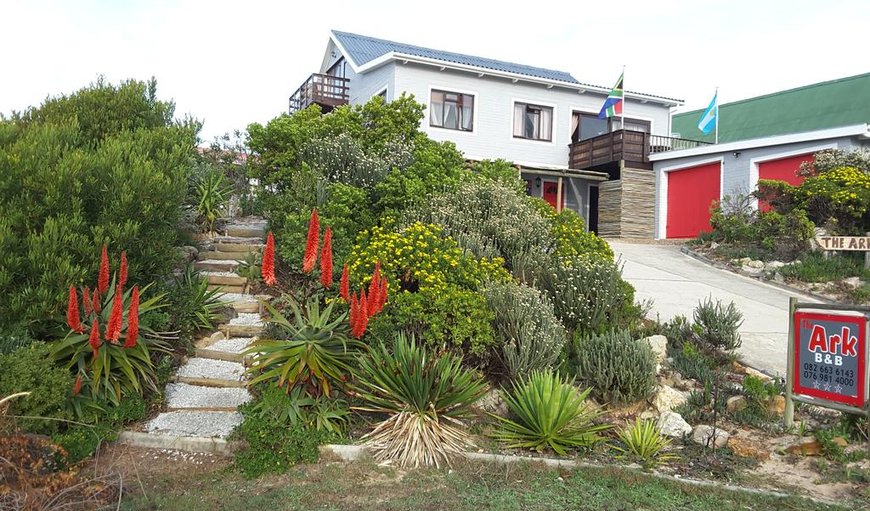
x=831, y=357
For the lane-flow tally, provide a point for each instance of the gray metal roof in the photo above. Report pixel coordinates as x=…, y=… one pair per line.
x=363, y=49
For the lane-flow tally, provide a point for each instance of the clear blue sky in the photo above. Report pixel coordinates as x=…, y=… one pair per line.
x=232, y=63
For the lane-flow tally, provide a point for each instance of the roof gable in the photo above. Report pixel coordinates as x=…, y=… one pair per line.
x=836, y=103
x=363, y=49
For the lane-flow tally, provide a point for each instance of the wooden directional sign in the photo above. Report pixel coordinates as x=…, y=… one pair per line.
x=830, y=357
x=858, y=243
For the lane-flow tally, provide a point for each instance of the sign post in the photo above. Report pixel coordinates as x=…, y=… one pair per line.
x=828, y=355
x=846, y=243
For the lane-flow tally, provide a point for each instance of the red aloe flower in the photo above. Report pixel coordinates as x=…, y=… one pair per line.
x=72, y=311
x=363, y=317
x=78, y=385
x=382, y=296
x=268, y=267
x=94, y=339
x=344, y=286
x=113, y=329
x=353, y=304
x=326, y=260
x=122, y=272
x=133, y=320
x=86, y=301
x=374, y=290
x=103, y=280
x=95, y=301
x=311, y=243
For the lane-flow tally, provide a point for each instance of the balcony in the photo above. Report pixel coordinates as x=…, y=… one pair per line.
x=324, y=90
x=604, y=152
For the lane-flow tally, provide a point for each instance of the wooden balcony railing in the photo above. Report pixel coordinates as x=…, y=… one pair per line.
x=633, y=147
x=325, y=90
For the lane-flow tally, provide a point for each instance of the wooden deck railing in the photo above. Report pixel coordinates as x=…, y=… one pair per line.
x=324, y=90
x=631, y=146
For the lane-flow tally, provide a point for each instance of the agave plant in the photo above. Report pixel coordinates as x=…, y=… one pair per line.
x=210, y=194
x=426, y=396
x=549, y=412
x=643, y=440
x=315, y=349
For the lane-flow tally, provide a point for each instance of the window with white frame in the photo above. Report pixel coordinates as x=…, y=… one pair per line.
x=534, y=122
x=451, y=110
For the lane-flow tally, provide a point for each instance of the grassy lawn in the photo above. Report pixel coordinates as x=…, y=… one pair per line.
x=471, y=486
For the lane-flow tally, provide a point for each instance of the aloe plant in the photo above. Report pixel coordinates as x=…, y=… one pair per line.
x=549, y=412
x=426, y=396
x=315, y=349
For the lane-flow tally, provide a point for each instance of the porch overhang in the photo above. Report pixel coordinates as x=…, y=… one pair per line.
x=546, y=170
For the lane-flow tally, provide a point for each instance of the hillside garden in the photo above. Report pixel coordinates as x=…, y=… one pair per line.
x=421, y=305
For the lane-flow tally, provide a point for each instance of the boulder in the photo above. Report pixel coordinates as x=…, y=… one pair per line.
x=659, y=346
x=842, y=442
x=755, y=264
x=735, y=403
x=673, y=425
x=758, y=374
x=851, y=282
x=776, y=405
x=773, y=265
x=492, y=402
x=668, y=398
x=188, y=253
x=777, y=277
x=710, y=437
x=746, y=448
x=806, y=446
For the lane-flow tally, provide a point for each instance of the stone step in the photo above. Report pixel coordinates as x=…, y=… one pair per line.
x=217, y=446
x=223, y=256
x=230, y=330
x=226, y=289
x=205, y=369
x=181, y=396
x=243, y=302
x=202, y=424
x=243, y=248
x=247, y=231
x=217, y=265
x=224, y=278
x=223, y=349
x=240, y=240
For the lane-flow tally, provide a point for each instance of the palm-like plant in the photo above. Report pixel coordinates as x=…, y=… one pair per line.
x=315, y=349
x=426, y=396
x=549, y=413
x=211, y=193
x=644, y=441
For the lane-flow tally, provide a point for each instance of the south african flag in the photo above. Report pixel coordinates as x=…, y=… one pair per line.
x=613, y=104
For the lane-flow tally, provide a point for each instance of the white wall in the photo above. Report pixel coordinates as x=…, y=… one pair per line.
x=494, y=99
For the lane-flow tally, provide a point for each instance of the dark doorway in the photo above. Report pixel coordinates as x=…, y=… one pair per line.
x=593, y=209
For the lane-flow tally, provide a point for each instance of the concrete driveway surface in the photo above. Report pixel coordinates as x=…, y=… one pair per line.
x=676, y=283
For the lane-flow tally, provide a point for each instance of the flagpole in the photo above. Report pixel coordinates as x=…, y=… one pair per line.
x=622, y=114
x=716, y=138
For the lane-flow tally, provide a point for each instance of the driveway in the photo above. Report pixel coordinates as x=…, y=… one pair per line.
x=676, y=283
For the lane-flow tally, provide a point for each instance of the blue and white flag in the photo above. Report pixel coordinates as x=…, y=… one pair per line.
x=710, y=116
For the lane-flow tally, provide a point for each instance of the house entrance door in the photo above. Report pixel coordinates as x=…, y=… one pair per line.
x=551, y=194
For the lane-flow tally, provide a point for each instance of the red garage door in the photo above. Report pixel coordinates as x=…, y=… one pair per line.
x=782, y=170
x=690, y=193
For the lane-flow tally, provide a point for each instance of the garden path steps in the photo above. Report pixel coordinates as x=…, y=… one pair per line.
x=202, y=399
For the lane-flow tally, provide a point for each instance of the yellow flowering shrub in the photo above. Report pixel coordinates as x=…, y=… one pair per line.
x=418, y=257
x=840, y=195
x=568, y=231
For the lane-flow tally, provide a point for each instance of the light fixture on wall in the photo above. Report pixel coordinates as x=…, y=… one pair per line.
x=737, y=154
x=537, y=182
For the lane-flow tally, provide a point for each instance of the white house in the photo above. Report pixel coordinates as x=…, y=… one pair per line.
x=544, y=121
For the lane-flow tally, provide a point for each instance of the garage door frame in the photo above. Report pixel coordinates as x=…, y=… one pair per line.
x=754, y=163
x=662, y=226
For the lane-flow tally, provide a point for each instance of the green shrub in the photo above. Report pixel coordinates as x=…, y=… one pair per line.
x=525, y=327
x=758, y=394
x=717, y=325
x=617, y=367
x=313, y=348
x=588, y=294
x=191, y=305
x=211, y=193
x=502, y=172
x=568, y=231
x=771, y=234
x=273, y=446
x=815, y=267
x=296, y=408
x=838, y=198
x=488, y=219
x=692, y=363
x=31, y=369
x=643, y=440
x=425, y=395
x=548, y=412
x=14, y=338
x=444, y=319
x=104, y=165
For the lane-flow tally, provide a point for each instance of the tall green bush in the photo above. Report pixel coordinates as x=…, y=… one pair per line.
x=530, y=335
x=31, y=369
x=104, y=165
x=616, y=366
